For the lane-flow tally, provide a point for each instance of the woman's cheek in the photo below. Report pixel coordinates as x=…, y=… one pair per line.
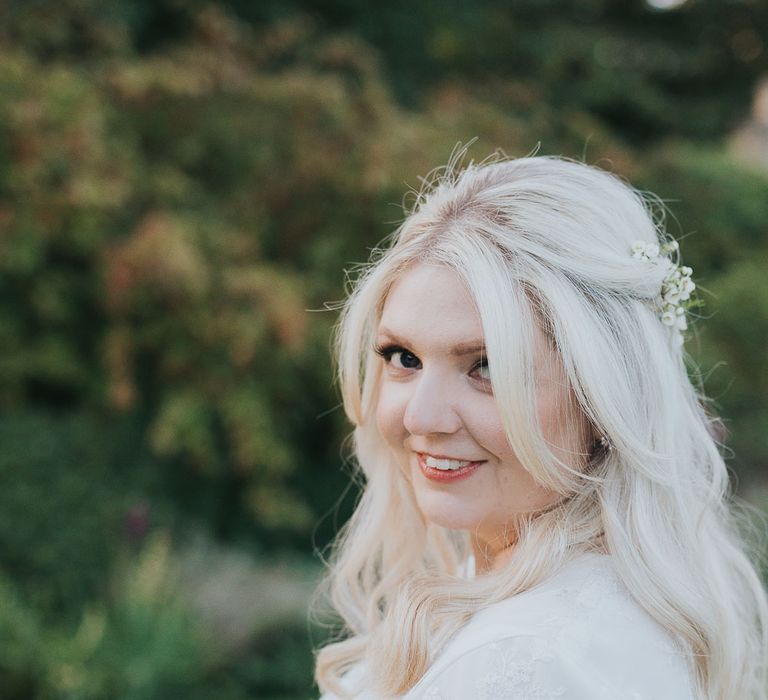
x=389, y=415
x=484, y=423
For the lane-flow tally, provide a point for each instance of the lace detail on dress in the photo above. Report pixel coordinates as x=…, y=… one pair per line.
x=514, y=677
x=580, y=601
x=522, y=668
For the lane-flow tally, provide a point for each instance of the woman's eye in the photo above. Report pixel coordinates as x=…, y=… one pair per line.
x=400, y=358
x=482, y=372
x=404, y=359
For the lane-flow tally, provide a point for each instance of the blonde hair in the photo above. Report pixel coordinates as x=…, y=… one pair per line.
x=544, y=239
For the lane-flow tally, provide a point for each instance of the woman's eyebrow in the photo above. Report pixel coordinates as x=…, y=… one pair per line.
x=470, y=347
x=473, y=347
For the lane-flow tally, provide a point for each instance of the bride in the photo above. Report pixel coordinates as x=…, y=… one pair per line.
x=545, y=511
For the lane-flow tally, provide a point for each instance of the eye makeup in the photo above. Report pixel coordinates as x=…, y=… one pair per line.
x=408, y=360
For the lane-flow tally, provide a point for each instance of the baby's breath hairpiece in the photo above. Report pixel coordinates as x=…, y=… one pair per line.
x=677, y=287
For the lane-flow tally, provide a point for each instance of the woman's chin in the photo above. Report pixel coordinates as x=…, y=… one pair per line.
x=449, y=511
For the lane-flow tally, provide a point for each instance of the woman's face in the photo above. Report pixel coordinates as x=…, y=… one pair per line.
x=437, y=412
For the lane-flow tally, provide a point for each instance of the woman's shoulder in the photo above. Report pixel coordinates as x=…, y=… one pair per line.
x=584, y=598
x=578, y=634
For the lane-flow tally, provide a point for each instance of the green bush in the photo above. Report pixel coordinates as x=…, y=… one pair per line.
x=60, y=509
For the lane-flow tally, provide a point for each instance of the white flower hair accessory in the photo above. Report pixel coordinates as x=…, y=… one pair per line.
x=677, y=287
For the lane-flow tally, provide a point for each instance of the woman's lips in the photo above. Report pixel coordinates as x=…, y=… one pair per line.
x=447, y=475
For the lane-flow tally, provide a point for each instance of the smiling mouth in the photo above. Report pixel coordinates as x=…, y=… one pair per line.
x=446, y=464
x=446, y=468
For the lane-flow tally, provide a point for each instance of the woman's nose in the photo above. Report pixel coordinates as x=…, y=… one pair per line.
x=431, y=406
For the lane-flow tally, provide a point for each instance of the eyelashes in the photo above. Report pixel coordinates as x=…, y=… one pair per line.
x=407, y=359
x=402, y=358
x=482, y=369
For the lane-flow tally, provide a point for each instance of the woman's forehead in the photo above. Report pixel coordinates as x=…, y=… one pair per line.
x=429, y=298
x=431, y=303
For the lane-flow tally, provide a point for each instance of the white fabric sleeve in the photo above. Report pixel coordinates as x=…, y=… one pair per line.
x=516, y=668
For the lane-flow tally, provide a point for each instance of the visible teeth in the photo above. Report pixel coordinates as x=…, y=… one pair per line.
x=445, y=464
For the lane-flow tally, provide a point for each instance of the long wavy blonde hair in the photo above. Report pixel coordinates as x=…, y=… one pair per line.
x=547, y=240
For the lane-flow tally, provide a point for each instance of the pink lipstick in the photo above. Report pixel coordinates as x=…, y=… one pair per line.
x=446, y=475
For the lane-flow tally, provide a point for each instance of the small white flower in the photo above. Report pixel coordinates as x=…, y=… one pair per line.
x=677, y=286
x=686, y=287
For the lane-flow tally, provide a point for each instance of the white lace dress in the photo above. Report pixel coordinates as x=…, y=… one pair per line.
x=577, y=636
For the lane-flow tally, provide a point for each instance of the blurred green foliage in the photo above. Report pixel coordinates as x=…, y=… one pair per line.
x=144, y=642
x=181, y=187
x=721, y=209
x=59, y=510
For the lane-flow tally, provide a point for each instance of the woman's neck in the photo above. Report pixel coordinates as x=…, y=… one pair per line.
x=489, y=557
